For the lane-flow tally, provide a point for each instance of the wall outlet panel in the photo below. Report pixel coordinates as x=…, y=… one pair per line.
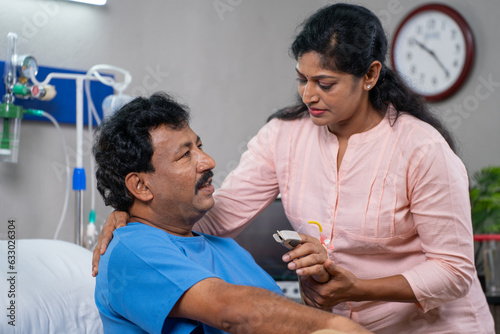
x=290, y=289
x=63, y=105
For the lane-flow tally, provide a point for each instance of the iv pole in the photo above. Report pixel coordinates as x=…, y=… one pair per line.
x=79, y=178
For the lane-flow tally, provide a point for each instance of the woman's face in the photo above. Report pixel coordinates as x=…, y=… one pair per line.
x=334, y=98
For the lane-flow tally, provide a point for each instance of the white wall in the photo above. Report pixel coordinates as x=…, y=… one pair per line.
x=229, y=64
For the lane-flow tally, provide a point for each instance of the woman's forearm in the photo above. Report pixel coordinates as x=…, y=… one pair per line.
x=344, y=286
x=393, y=288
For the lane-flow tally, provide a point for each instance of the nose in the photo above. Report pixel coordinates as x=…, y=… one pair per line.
x=307, y=93
x=205, y=163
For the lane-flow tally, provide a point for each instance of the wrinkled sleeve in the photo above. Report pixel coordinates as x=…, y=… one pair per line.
x=247, y=190
x=146, y=281
x=440, y=206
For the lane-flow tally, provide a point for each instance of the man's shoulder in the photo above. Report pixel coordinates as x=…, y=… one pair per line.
x=217, y=240
x=226, y=245
x=139, y=239
x=139, y=233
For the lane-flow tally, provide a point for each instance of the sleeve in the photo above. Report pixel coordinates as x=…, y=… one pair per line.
x=144, y=288
x=247, y=190
x=439, y=197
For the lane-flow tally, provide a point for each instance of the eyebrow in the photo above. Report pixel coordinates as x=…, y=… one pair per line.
x=317, y=77
x=189, y=144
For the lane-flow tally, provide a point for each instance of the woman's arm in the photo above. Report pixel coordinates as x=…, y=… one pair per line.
x=440, y=207
x=247, y=190
x=343, y=286
x=115, y=220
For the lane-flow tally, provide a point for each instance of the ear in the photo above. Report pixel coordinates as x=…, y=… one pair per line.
x=136, y=184
x=371, y=77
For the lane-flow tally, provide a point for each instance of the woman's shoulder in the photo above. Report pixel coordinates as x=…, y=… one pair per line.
x=407, y=123
x=302, y=123
x=419, y=139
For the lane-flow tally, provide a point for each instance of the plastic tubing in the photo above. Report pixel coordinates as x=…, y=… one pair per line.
x=68, y=172
x=92, y=112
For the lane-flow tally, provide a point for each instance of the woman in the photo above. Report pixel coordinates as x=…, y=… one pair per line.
x=362, y=155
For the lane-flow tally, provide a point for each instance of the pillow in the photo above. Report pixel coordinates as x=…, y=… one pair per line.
x=53, y=290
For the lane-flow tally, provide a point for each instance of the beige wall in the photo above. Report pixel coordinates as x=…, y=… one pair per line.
x=227, y=59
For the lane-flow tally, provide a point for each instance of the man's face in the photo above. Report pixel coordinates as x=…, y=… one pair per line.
x=181, y=184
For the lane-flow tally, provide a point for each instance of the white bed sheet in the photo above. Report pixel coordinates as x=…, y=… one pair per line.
x=54, y=289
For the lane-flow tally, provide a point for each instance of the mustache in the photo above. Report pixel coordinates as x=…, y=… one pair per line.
x=204, y=178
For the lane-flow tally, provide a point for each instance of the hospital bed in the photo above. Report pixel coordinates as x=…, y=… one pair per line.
x=49, y=289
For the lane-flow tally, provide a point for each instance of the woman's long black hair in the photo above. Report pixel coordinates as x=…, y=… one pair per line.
x=349, y=38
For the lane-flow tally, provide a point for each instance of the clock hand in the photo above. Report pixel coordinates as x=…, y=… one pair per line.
x=433, y=55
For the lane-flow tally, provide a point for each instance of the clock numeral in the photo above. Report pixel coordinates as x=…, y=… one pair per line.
x=409, y=56
x=422, y=77
x=431, y=24
x=434, y=81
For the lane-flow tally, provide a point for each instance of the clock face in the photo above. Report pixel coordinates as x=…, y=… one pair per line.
x=432, y=52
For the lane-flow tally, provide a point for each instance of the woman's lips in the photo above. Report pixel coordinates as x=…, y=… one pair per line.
x=316, y=112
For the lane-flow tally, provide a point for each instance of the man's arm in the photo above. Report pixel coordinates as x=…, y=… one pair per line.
x=243, y=309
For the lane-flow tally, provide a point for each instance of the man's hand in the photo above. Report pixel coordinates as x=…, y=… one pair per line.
x=307, y=259
x=115, y=220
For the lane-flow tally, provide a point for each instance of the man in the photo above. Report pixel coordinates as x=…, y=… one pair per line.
x=158, y=275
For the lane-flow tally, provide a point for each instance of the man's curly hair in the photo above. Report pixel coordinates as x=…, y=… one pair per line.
x=123, y=144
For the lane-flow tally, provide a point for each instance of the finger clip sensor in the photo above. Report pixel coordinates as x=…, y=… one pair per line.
x=289, y=239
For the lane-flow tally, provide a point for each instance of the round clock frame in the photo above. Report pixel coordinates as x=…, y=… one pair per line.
x=468, y=43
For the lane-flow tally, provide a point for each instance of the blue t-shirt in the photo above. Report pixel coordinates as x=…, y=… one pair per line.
x=145, y=271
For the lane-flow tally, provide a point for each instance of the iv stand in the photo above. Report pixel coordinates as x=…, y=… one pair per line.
x=79, y=179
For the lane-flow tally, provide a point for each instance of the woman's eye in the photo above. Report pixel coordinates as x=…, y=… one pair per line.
x=325, y=86
x=301, y=81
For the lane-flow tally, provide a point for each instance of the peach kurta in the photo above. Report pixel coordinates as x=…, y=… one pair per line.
x=398, y=204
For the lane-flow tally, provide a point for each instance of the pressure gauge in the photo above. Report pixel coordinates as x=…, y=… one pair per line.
x=27, y=64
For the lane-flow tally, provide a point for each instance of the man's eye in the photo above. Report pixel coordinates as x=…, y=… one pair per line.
x=187, y=154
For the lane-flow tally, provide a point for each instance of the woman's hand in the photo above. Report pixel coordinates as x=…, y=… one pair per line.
x=340, y=288
x=115, y=220
x=344, y=286
x=307, y=259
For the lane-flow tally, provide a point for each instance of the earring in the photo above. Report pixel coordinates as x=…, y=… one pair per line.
x=368, y=87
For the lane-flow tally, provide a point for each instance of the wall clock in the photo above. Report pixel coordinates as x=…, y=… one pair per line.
x=433, y=50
